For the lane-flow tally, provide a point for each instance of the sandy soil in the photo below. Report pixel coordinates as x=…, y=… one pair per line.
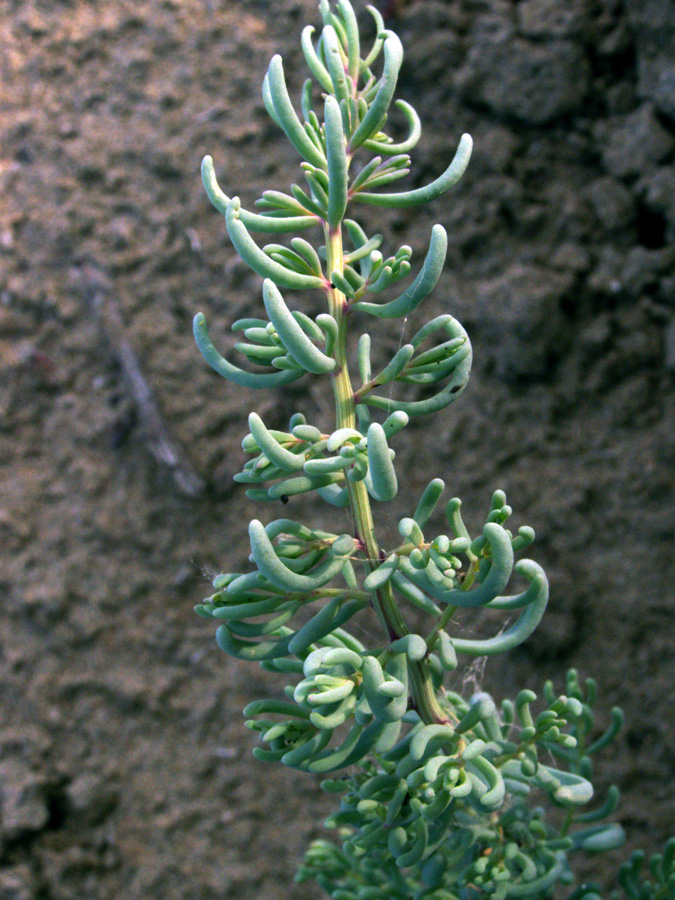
x=125, y=769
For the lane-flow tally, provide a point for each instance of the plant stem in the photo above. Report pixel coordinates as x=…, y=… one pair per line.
x=424, y=697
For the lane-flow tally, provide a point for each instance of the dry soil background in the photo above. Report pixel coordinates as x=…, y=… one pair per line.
x=125, y=770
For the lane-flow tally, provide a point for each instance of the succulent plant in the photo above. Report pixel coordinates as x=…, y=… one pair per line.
x=439, y=793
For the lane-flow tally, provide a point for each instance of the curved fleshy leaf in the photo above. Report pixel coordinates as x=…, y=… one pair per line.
x=421, y=287
x=287, y=118
x=234, y=373
x=294, y=339
x=253, y=256
x=430, y=191
x=253, y=221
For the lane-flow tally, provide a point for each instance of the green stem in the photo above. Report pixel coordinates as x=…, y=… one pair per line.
x=569, y=819
x=442, y=622
x=424, y=697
